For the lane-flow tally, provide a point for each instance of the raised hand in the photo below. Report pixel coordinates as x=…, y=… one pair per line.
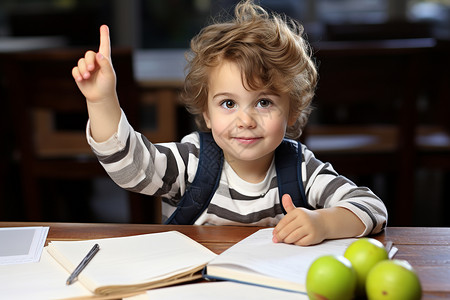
x=96, y=79
x=95, y=74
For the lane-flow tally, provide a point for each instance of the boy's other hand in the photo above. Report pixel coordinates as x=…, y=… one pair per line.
x=94, y=73
x=299, y=226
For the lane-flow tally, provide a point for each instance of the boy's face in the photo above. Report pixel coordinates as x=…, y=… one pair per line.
x=247, y=124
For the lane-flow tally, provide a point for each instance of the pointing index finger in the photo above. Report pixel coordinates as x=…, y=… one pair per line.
x=105, y=43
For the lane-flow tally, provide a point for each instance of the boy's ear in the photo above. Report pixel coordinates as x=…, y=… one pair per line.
x=293, y=116
x=206, y=118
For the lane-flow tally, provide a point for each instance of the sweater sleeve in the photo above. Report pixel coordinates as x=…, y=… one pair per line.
x=138, y=165
x=324, y=187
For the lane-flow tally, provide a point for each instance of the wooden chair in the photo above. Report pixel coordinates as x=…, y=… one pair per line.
x=365, y=113
x=45, y=106
x=433, y=133
x=433, y=138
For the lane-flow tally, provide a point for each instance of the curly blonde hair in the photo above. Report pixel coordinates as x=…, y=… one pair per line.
x=270, y=51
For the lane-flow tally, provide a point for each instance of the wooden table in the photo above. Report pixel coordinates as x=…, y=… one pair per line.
x=426, y=249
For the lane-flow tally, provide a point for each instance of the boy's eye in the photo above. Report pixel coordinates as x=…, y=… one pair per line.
x=228, y=104
x=264, y=103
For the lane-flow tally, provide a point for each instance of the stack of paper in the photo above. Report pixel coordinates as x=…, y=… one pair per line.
x=21, y=244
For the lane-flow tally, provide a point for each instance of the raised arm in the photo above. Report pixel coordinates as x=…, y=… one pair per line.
x=96, y=79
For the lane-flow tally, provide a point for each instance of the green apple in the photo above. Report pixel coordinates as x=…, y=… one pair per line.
x=364, y=254
x=331, y=277
x=393, y=279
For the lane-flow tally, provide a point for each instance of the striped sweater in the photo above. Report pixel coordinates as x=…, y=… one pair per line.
x=167, y=169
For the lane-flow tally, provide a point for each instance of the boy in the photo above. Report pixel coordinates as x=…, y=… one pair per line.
x=250, y=84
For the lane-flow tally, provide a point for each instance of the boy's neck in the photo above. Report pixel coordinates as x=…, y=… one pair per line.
x=253, y=171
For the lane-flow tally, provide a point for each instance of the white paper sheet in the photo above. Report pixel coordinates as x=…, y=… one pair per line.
x=38, y=281
x=223, y=290
x=21, y=244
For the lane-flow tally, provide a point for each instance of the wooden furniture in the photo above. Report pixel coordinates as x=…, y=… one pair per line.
x=433, y=138
x=8, y=180
x=160, y=75
x=365, y=113
x=49, y=119
x=433, y=132
x=158, y=116
x=426, y=249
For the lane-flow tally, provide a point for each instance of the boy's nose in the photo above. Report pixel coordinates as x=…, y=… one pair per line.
x=246, y=120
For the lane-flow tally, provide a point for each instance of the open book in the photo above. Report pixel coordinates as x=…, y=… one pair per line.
x=123, y=266
x=257, y=260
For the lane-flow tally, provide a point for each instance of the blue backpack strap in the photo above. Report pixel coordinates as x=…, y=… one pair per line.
x=198, y=195
x=288, y=163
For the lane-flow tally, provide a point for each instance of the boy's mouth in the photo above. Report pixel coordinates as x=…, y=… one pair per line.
x=247, y=140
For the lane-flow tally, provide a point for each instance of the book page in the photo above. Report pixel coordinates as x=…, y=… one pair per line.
x=45, y=279
x=132, y=260
x=21, y=244
x=223, y=290
x=257, y=254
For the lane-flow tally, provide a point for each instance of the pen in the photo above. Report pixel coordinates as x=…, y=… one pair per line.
x=82, y=264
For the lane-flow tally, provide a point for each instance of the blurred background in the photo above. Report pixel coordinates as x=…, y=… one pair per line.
x=381, y=110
